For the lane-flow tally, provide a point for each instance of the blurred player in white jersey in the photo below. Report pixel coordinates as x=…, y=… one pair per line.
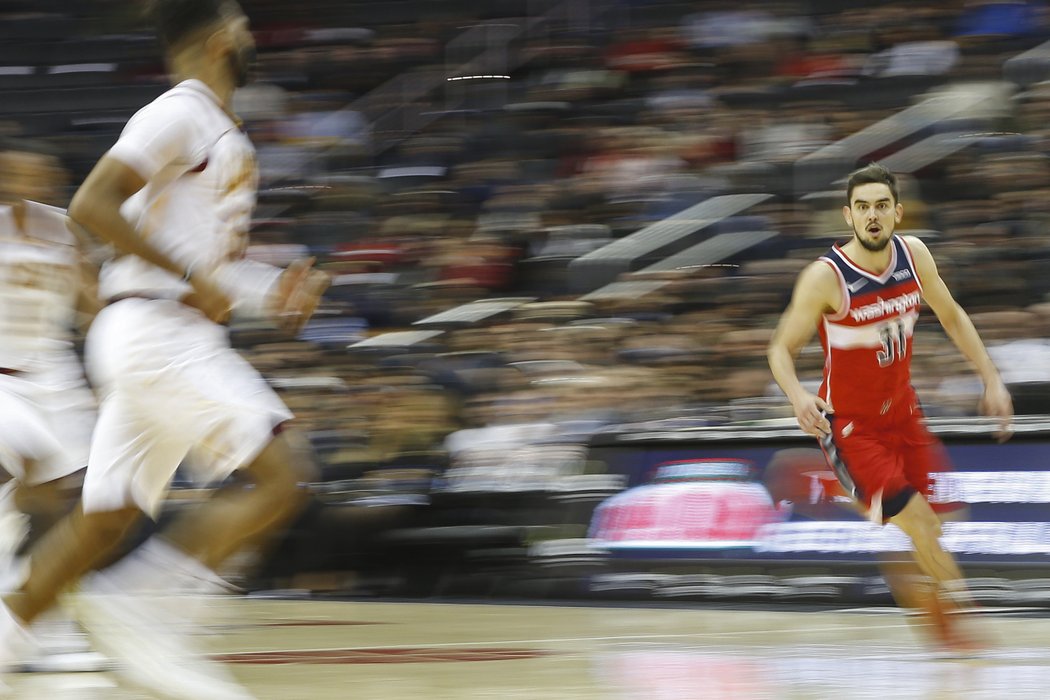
x=174, y=197
x=46, y=408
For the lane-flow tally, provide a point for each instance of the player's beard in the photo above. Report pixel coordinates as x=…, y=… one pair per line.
x=241, y=62
x=873, y=246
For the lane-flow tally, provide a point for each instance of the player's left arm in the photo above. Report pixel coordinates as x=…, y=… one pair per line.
x=289, y=296
x=996, y=400
x=88, y=303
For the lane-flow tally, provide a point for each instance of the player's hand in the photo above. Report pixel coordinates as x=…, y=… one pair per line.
x=996, y=402
x=299, y=292
x=207, y=298
x=811, y=410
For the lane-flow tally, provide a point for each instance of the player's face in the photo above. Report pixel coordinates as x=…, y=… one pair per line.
x=873, y=215
x=27, y=176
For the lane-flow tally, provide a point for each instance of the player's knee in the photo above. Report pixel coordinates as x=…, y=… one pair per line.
x=275, y=476
x=110, y=526
x=287, y=464
x=302, y=460
x=923, y=532
x=51, y=499
x=919, y=523
x=926, y=538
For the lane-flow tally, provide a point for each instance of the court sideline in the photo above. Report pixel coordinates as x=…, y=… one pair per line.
x=324, y=650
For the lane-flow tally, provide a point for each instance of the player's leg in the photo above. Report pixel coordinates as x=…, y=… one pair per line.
x=60, y=642
x=875, y=475
x=51, y=485
x=72, y=547
x=924, y=458
x=46, y=445
x=133, y=459
x=28, y=447
x=26, y=442
x=948, y=588
x=128, y=466
x=922, y=526
x=268, y=493
x=200, y=393
x=913, y=590
x=44, y=504
x=245, y=433
x=181, y=563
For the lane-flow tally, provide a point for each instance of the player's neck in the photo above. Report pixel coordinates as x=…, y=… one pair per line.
x=195, y=66
x=223, y=89
x=871, y=260
x=219, y=86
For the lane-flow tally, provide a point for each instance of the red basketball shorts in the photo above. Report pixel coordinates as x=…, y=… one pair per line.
x=882, y=460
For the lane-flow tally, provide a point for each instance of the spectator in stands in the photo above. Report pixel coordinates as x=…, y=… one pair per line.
x=917, y=49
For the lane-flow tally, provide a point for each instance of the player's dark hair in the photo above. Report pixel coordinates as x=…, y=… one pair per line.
x=871, y=173
x=178, y=19
x=11, y=144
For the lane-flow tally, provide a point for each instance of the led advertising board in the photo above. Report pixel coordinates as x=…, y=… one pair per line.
x=768, y=495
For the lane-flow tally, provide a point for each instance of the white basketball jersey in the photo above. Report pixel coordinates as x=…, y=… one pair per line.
x=38, y=287
x=201, y=180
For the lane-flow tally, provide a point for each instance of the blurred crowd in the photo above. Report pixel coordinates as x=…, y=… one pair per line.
x=609, y=124
x=434, y=159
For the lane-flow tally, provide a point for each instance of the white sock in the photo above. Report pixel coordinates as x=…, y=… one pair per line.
x=957, y=592
x=14, y=524
x=15, y=639
x=159, y=566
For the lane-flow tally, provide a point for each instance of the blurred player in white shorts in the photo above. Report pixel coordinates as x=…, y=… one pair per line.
x=46, y=408
x=174, y=197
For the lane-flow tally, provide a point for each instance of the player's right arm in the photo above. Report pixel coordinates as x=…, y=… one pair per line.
x=816, y=293
x=288, y=296
x=96, y=208
x=160, y=135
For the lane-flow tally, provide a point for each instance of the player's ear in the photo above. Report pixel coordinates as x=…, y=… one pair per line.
x=847, y=215
x=218, y=42
x=898, y=212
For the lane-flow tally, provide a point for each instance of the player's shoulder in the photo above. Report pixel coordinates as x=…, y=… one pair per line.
x=175, y=103
x=170, y=100
x=820, y=270
x=48, y=211
x=913, y=243
x=50, y=223
x=918, y=248
x=817, y=286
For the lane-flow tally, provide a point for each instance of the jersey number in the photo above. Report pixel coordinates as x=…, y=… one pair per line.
x=894, y=342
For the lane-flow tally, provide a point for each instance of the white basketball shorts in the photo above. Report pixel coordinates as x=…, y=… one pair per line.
x=169, y=386
x=47, y=417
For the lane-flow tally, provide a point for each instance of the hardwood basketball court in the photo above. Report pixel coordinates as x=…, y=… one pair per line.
x=322, y=650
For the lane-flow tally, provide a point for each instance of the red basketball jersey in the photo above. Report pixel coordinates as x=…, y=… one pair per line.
x=867, y=342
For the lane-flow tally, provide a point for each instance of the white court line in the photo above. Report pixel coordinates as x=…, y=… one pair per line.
x=556, y=640
x=1001, y=612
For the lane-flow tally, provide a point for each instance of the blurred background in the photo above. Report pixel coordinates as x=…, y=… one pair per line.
x=560, y=235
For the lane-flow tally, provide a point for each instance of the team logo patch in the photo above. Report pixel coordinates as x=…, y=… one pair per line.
x=855, y=287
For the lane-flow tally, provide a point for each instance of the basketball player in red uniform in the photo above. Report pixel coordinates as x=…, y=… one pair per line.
x=863, y=297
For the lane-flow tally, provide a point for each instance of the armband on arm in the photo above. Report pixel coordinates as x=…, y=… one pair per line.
x=251, y=285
